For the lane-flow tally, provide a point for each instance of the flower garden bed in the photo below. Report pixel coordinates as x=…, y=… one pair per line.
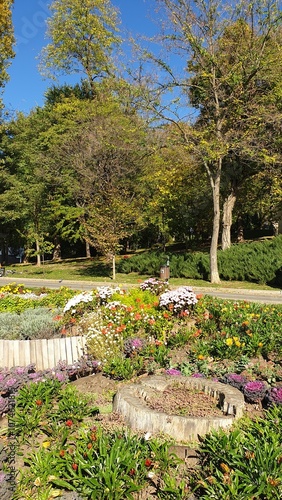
x=68, y=447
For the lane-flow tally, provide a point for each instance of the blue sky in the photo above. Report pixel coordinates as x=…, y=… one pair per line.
x=26, y=87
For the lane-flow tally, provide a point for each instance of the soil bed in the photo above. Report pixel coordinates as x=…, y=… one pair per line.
x=178, y=400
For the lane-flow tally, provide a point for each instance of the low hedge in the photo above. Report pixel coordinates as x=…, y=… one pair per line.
x=257, y=262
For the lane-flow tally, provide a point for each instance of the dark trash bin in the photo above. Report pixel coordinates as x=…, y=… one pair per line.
x=164, y=273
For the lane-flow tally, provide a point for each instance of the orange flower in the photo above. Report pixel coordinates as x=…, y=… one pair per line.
x=74, y=466
x=148, y=462
x=62, y=453
x=137, y=316
x=197, y=333
x=38, y=402
x=63, y=331
x=69, y=423
x=89, y=446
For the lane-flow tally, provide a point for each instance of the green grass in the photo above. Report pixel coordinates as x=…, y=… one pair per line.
x=98, y=270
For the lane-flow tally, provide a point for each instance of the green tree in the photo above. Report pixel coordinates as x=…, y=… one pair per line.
x=83, y=35
x=232, y=79
x=6, y=40
x=97, y=165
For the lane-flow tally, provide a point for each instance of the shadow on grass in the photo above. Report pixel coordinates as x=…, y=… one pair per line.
x=99, y=269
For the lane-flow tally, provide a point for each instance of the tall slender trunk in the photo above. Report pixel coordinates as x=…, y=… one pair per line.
x=38, y=256
x=87, y=249
x=227, y=219
x=215, y=184
x=114, y=266
x=57, y=249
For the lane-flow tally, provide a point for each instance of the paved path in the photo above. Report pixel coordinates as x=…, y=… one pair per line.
x=264, y=296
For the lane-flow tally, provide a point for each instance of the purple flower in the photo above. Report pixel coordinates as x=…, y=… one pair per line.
x=61, y=376
x=10, y=382
x=19, y=370
x=173, y=371
x=254, y=391
x=197, y=375
x=235, y=380
x=274, y=396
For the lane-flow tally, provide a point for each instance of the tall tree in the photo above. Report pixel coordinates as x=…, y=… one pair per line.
x=230, y=69
x=6, y=40
x=83, y=35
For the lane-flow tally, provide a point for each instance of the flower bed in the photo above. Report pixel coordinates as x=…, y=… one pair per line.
x=138, y=333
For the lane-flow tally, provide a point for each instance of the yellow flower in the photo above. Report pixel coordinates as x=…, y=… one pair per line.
x=224, y=467
x=260, y=344
x=37, y=481
x=51, y=478
x=46, y=444
x=238, y=343
x=229, y=342
x=201, y=356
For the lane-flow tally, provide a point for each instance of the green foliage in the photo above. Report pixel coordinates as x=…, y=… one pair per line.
x=255, y=262
x=30, y=324
x=244, y=463
x=119, y=368
x=232, y=330
x=258, y=262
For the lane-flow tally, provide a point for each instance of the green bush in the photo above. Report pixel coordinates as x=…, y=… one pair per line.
x=30, y=324
x=258, y=262
x=245, y=463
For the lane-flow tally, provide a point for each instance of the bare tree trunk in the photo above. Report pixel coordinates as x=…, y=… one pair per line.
x=227, y=220
x=87, y=250
x=215, y=232
x=57, y=249
x=275, y=226
x=215, y=184
x=38, y=257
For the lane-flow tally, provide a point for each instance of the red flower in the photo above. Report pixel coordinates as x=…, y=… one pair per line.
x=69, y=423
x=137, y=316
x=62, y=453
x=148, y=462
x=74, y=466
x=132, y=472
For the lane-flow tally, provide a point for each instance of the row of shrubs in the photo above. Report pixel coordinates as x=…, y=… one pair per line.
x=257, y=262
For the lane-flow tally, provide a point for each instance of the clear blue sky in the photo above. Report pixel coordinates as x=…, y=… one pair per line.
x=26, y=87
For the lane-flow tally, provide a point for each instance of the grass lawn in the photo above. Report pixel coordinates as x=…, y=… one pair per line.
x=99, y=270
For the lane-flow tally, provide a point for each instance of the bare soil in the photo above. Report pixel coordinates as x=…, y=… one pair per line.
x=178, y=400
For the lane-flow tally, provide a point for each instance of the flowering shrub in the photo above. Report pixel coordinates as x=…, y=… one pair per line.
x=154, y=286
x=178, y=301
x=72, y=303
x=104, y=339
x=105, y=292
x=133, y=345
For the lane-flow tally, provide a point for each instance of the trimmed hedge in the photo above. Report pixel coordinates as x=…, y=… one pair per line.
x=257, y=262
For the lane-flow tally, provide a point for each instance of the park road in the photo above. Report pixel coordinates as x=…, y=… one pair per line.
x=263, y=296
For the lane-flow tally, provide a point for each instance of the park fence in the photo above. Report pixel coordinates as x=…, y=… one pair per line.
x=44, y=353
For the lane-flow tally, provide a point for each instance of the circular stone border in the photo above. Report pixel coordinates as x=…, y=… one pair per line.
x=130, y=402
